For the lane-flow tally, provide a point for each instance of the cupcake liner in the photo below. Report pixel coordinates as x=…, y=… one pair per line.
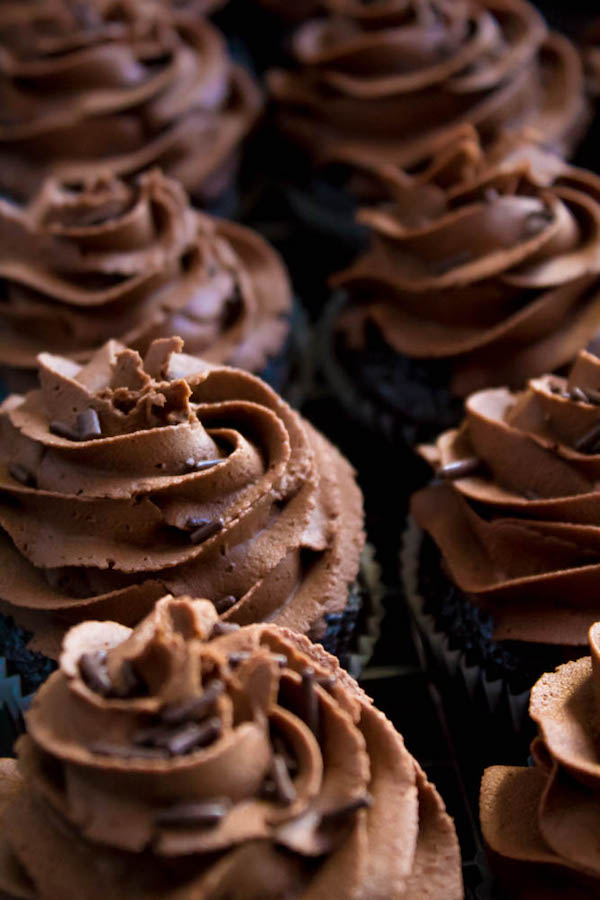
x=406, y=401
x=352, y=634
x=465, y=684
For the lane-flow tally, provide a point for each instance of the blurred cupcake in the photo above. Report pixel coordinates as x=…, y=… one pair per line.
x=540, y=823
x=507, y=562
x=126, y=478
x=105, y=85
x=385, y=83
x=136, y=262
x=178, y=760
x=479, y=273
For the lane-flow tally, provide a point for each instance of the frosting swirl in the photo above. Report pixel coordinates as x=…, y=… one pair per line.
x=123, y=479
x=384, y=82
x=517, y=527
x=118, y=85
x=80, y=266
x=492, y=267
x=541, y=823
x=178, y=761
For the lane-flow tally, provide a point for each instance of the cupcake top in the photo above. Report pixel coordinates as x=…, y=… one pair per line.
x=136, y=262
x=515, y=508
x=540, y=823
x=491, y=266
x=127, y=478
x=117, y=85
x=384, y=81
x=185, y=760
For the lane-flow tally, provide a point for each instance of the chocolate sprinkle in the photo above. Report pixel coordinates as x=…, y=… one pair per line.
x=192, y=736
x=579, y=395
x=311, y=701
x=280, y=659
x=334, y=815
x=235, y=659
x=195, y=708
x=184, y=815
x=203, y=529
x=593, y=396
x=225, y=603
x=221, y=628
x=589, y=440
x=88, y=424
x=200, y=465
x=64, y=431
x=462, y=468
x=92, y=668
x=23, y=475
x=284, y=786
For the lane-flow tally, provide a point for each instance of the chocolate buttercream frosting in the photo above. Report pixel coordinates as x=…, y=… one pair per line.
x=492, y=267
x=127, y=478
x=384, y=82
x=515, y=510
x=541, y=823
x=135, y=262
x=119, y=86
x=183, y=760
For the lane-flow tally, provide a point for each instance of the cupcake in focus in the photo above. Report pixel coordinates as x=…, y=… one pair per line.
x=539, y=823
x=185, y=760
x=506, y=564
x=479, y=273
x=386, y=83
x=129, y=477
x=118, y=87
x=136, y=262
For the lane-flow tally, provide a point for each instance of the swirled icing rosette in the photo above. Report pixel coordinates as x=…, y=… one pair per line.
x=384, y=82
x=515, y=512
x=125, y=478
x=540, y=823
x=136, y=262
x=119, y=86
x=492, y=268
x=186, y=759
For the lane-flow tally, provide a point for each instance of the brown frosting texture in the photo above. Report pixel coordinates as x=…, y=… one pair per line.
x=492, y=267
x=126, y=478
x=120, y=86
x=80, y=266
x=517, y=526
x=179, y=761
x=541, y=823
x=384, y=82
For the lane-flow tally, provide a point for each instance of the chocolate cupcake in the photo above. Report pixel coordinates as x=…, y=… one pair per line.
x=505, y=572
x=479, y=274
x=118, y=87
x=540, y=823
x=386, y=83
x=182, y=760
x=126, y=478
x=137, y=263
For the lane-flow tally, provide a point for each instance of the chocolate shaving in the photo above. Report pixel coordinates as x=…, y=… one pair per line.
x=93, y=671
x=235, y=659
x=88, y=425
x=193, y=736
x=311, y=701
x=187, y=815
x=225, y=603
x=195, y=708
x=203, y=529
x=23, y=475
x=284, y=786
x=64, y=431
x=333, y=816
x=588, y=441
x=462, y=468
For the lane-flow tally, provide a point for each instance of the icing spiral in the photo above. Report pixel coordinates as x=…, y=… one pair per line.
x=515, y=514
x=540, y=823
x=491, y=267
x=383, y=82
x=118, y=86
x=183, y=760
x=126, y=478
x=80, y=266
